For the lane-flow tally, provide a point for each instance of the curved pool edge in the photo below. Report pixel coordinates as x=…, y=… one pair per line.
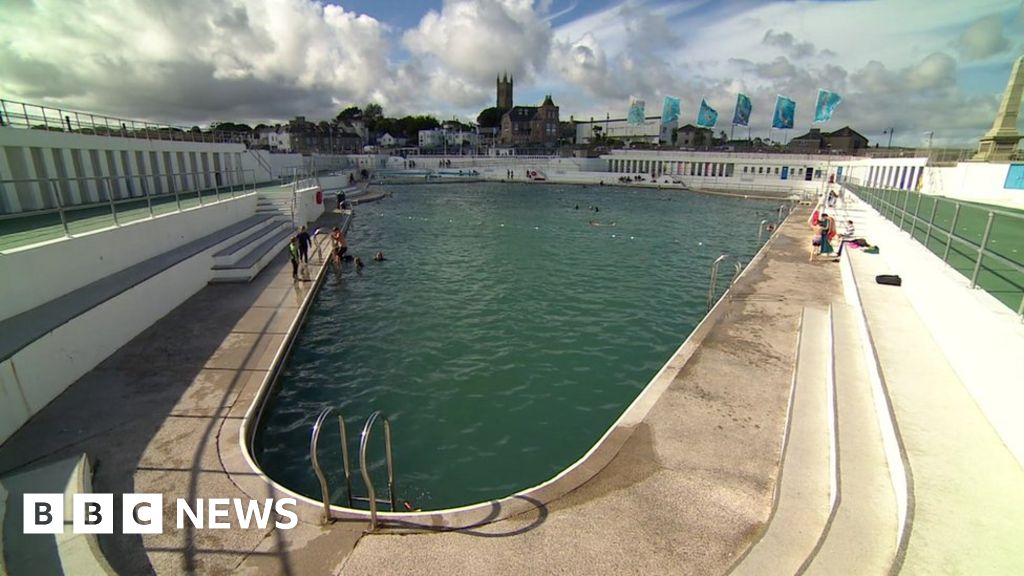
x=236, y=442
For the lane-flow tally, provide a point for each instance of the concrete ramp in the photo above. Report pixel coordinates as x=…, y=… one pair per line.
x=804, y=497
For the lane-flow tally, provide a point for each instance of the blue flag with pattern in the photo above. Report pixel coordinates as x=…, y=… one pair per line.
x=707, y=117
x=743, y=107
x=826, y=105
x=785, y=110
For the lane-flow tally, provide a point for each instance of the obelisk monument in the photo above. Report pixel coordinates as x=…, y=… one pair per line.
x=1000, y=142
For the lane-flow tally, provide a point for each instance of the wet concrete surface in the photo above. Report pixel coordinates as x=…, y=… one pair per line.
x=688, y=492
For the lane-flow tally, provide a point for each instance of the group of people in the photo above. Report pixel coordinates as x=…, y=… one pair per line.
x=826, y=234
x=298, y=250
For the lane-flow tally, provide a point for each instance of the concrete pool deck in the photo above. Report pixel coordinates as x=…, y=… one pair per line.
x=690, y=490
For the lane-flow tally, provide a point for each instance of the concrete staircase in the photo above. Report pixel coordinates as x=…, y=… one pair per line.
x=57, y=554
x=835, y=507
x=252, y=250
x=276, y=201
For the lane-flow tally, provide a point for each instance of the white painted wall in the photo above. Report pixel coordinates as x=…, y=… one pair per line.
x=63, y=265
x=974, y=182
x=40, y=154
x=970, y=181
x=306, y=208
x=37, y=374
x=283, y=165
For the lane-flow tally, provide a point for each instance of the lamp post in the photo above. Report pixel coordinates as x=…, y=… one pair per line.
x=889, y=132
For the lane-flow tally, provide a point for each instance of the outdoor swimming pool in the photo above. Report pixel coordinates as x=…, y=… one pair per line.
x=505, y=333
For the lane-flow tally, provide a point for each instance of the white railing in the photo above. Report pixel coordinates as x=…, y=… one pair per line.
x=15, y=114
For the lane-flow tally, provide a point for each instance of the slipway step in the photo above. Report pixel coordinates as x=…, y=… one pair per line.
x=864, y=533
x=804, y=495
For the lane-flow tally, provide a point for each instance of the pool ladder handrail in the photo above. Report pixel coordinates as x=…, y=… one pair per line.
x=714, y=280
x=371, y=498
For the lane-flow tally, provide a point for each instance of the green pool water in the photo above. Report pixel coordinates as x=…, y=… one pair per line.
x=505, y=333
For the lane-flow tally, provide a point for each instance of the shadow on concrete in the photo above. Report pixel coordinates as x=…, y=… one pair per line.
x=148, y=418
x=539, y=507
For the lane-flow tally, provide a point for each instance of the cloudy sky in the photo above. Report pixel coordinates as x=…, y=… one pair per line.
x=912, y=65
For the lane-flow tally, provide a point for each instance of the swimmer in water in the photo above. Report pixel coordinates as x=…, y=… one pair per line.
x=378, y=257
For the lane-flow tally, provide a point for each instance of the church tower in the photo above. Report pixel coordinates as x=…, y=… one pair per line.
x=504, y=93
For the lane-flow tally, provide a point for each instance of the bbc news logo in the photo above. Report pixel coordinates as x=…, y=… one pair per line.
x=143, y=513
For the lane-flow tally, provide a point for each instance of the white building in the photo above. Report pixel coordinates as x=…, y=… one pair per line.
x=280, y=140
x=451, y=141
x=651, y=131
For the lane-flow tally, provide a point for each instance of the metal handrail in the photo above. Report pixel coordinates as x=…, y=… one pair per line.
x=760, y=230
x=24, y=115
x=104, y=187
x=314, y=441
x=714, y=279
x=982, y=251
x=314, y=457
x=364, y=441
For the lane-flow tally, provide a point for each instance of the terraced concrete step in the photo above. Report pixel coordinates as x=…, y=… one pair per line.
x=864, y=534
x=967, y=486
x=252, y=263
x=236, y=250
x=56, y=554
x=804, y=493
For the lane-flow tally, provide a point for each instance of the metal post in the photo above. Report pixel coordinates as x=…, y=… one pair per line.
x=917, y=208
x=760, y=230
x=314, y=441
x=174, y=190
x=952, y=230
x=981, y=249
x=60, y=207
x=931, y=221
x=714, y=277
x=199, y=192
x=149, y=199
x=906, y=201
x=344, y=459
x=110, y=199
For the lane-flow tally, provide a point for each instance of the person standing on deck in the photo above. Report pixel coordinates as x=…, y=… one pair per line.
x=304, y=242
x=293, y=253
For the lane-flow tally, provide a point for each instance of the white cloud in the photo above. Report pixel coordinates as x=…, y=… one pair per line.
x=983, y=39
x=469, y=42
x=201, y=60
x=192, y=60
x=786, y=41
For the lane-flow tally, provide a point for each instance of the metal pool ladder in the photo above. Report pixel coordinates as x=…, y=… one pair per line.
x=371, y=497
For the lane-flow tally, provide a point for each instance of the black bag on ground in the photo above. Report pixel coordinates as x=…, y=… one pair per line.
x=889, y=279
